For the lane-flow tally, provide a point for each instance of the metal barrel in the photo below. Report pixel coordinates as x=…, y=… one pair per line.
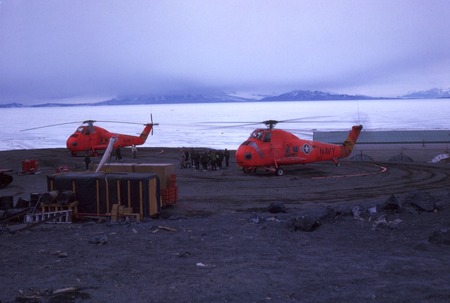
x=34, y=198
x=5, y=180
x=49, y=197
x=22, y=203
x=66, y=197
x=6, y=202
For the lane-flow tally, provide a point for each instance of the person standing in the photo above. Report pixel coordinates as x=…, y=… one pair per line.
x=196, y=159
x=134, y=151
x=118, y=154
x=227, y=158
x=87, y=160
x=204, y=159
x=213, y=159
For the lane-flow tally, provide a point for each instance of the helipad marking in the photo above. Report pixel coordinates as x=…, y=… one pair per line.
x=382, y=170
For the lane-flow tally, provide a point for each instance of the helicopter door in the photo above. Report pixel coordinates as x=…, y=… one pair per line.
x=291, y=151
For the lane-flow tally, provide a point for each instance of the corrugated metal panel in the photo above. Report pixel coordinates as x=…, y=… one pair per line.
x=387, y=137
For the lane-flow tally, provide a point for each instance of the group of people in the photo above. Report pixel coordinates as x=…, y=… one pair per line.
x=204, y=159
x=198, y=159
x=118, y=152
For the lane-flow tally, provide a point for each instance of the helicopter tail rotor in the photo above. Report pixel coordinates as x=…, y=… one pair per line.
x=151, y=120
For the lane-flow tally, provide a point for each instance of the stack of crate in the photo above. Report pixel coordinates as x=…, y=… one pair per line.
x=167, y=179
x=169, y=194
x=164, y=171
x=120, y=211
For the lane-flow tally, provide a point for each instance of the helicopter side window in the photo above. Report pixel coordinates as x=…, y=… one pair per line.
x=267, y=137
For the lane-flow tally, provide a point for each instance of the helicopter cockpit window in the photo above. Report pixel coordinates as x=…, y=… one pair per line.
x=83, y=130
x=267, y=136
x=257, y=134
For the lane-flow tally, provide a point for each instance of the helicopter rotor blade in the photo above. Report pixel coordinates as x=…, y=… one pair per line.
x=50, y=125
x=272, y=123
x=83, y=122
x=235, y=124
x=112, y=121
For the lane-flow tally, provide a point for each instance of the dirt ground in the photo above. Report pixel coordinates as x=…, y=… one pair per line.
x=359, y=232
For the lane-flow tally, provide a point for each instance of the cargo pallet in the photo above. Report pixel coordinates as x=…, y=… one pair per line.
x=61, y=216
x=57, y=207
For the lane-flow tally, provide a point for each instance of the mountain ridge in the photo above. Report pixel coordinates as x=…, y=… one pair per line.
x=295, y=95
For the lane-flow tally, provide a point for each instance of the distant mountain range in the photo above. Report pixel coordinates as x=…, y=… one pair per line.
x=296, y=95
x=307, y=95
x=434, y=93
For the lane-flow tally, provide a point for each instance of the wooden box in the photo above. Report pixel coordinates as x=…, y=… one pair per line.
x=117, y=167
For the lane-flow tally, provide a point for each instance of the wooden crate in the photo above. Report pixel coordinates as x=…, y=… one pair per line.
x=98, y=192
x=116, y=167
x=163, y=170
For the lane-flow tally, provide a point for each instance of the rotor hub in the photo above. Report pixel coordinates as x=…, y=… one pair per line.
x=270, y=123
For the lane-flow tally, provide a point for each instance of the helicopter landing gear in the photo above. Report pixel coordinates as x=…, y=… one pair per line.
x=275, y=170
x=335, y=161
x=279, y=171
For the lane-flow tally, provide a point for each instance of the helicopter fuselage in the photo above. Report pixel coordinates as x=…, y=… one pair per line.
x=91, y=139
x=272, y=148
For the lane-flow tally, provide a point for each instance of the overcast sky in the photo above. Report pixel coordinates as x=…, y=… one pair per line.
x=56, y=49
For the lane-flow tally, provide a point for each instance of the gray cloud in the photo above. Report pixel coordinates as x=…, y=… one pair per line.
x=60, y=49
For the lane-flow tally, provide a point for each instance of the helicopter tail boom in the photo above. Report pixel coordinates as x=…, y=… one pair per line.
x=146, y=132
x=349, y=143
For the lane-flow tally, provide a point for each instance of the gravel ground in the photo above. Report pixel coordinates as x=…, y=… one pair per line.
x=360, y=232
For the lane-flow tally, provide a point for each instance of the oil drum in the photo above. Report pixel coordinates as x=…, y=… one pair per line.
x=5, y=180
x=6, y=202
x=49, y=197
x=66, y=197
x=22, y=203
x=34, y=198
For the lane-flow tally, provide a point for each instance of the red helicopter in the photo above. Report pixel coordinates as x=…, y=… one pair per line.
x=271, y=148
x=90, y=138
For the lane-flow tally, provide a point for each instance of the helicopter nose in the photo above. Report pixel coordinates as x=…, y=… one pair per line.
x=71, y=142
x=244, y=155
